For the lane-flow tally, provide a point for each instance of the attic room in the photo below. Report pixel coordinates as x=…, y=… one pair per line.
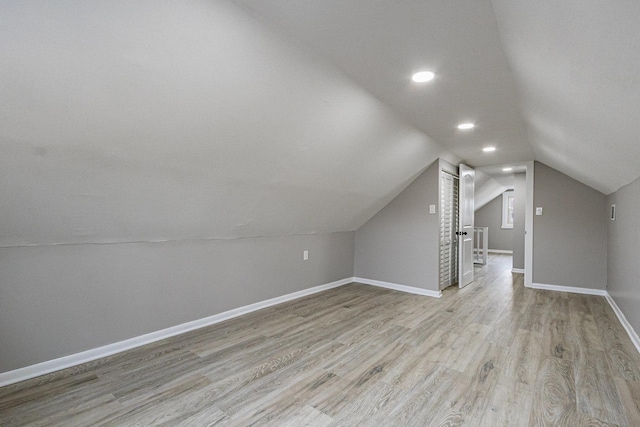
x=232, y=212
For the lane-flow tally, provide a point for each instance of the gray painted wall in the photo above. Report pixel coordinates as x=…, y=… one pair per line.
x=520, y=192
x=60, y=300
x=490, y=215
x=570, y=238
x=623, y=277
x=400, y=243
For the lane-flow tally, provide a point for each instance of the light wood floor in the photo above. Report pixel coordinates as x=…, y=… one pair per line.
x=492, y=354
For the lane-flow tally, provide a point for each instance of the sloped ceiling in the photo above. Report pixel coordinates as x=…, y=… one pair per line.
x=146, y=120
x=486, y=189
x=555, y=81
x=379, y=44
x=577, y=69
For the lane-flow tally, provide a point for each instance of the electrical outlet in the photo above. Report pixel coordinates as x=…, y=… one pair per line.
x=305, y=255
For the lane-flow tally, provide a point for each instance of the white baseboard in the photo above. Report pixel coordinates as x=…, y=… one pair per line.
x=395, y=286
x=633, y=336
x=625, y=323
x=496, y=251
x=517, y=270
x=47, y=367
x=570, y=289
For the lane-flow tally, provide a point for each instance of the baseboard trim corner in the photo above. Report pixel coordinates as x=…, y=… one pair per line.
x=32, y=371
x=570, y=289
x=625, y=323
x=397, y=287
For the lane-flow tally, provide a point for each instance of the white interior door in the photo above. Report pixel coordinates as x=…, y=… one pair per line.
x=465, y=229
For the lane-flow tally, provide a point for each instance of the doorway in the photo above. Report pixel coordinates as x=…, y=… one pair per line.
x=493, y=181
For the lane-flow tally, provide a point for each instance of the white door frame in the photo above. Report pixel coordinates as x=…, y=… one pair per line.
x=465, y=225
x=528, y=227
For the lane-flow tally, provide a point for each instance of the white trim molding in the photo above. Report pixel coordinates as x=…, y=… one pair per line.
x=625, y=323
x=402, y=288
x=509, y=194
x=32, y=371
x=517, y=270
x=570, y=289
x=499, y=251
x=54, y=365
x=528, y=225
x=633, y=336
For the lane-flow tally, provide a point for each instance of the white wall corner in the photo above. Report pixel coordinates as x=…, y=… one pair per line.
x=397, y=287
x=625, y=323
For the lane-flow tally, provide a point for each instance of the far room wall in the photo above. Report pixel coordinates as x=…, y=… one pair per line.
x=490, y=215
x=570, y=237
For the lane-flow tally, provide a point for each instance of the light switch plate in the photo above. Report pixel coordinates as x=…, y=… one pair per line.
x=538, y=211
x=432, y=209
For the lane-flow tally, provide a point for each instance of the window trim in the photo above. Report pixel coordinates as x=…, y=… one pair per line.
x=505, y=209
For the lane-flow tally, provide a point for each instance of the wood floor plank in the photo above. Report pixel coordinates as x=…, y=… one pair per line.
x=622, y=356
x=307, y=417
x=557, y=340
x=420, y=404
x=554, y=402
x=207, y=417
x=473, y=395
x=460, y=353
x=491, y=354
x=509, y=406
x=629, y=392
x=365, y=408
x=522, y=360
x=596, y=392
x=586, y=332
x=506, y=328
x=282, y=402
x=535, y=316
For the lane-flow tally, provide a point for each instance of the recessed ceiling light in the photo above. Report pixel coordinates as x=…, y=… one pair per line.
x=507, y=169
x=466, y=126
x=423, y=76
x=489, y=149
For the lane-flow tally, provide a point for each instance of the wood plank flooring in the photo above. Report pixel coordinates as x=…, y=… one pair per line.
x=492, y=354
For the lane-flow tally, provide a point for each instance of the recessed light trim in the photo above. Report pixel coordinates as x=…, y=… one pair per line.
x=423, y=76
x=507, y=169
x=466, y=126
x=489, y=149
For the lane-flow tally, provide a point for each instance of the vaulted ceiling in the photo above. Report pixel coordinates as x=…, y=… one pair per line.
x=553, y=81
x=147, y=121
